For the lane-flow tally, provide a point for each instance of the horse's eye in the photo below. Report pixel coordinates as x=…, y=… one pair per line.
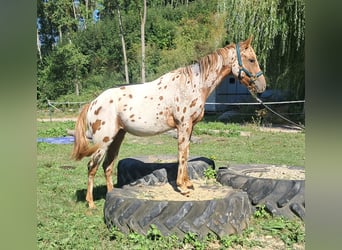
x=251, y=60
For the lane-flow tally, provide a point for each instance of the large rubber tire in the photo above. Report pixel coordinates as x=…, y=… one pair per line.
x=281, y=197
x=125, y=210
x=152, y=170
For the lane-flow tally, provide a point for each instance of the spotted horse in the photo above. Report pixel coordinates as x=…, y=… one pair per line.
x=173, y=101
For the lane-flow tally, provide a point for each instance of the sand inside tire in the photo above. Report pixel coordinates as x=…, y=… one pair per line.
x=203, y=190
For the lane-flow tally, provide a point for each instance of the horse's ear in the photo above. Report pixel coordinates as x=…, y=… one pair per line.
x=248, y=42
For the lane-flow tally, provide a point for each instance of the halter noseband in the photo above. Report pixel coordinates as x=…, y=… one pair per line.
x=252, y=78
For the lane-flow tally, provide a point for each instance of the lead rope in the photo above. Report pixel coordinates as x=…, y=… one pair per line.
x=274, y=112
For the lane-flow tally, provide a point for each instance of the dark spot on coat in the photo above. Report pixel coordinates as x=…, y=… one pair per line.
x=193, y=103
x=96, y=112
x=96, y=126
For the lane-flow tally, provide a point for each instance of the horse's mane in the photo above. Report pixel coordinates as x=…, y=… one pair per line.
x=210, y=63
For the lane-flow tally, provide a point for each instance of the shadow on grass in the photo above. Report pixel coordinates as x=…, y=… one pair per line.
x=99, y=192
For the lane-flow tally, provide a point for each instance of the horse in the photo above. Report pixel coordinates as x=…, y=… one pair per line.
x=175, y=100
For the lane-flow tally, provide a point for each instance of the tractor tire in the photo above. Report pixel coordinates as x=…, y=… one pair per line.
x=126, y=211
x=281, y=197
x=153, y=170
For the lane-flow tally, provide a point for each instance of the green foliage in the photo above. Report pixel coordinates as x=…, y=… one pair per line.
x=61, y=70
x=261, y=212
x=55, y=131
x=210, y=173
x=192, y=239
x=153, y=233
x=290, y=232
x=278, y=28
x=217, y=128
x=178, y=33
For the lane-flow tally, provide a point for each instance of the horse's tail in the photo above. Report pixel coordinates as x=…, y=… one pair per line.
x=81, y=144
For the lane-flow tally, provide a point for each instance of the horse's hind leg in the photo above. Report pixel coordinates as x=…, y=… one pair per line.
x=93, y=165
x=112, y=153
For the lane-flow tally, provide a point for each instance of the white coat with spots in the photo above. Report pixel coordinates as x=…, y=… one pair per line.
x=175, y=100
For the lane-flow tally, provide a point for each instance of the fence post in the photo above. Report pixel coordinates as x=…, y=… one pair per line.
x=50, y=111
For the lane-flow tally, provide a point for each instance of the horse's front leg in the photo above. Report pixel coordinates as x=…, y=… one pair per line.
x=183, y=181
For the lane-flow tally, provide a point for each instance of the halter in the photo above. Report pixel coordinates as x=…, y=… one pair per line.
x=252, y=78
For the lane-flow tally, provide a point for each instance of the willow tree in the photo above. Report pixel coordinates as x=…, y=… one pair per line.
x=278, y=28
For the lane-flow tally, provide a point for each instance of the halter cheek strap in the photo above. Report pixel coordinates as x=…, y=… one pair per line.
x=252, y=78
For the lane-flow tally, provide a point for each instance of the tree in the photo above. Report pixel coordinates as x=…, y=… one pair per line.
x=278, y=27
x=126, y=46
x=143, y=22
x=123, y=44
x=64, y=68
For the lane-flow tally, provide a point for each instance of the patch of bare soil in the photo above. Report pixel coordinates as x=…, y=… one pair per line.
x=281, y=128
x=203, y=190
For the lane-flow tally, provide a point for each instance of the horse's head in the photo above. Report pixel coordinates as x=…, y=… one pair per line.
x=246, y=67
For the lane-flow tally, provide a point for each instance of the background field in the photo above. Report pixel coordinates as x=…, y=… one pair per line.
x=65, y=222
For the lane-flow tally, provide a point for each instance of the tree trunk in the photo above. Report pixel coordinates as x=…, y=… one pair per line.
x=77, y=87
x=74, y=9
x=60, y=33
x=143, y=21
x=38, y=47
x=123, y=46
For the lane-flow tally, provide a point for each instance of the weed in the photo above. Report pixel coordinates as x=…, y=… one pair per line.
x=289, y=231
x=153, y=233
x=261, y=212
x=193, y=240
x=210, y=174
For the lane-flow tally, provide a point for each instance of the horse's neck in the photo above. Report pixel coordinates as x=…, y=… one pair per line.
x=213, y=79
x=214, y=68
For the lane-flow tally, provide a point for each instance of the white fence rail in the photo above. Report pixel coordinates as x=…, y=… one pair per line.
x=72, y=106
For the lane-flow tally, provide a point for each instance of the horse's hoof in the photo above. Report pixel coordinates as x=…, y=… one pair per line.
x=183, y=191
x=92, y=205
x=190, y=185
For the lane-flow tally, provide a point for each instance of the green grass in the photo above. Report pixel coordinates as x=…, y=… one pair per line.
x=65, y=222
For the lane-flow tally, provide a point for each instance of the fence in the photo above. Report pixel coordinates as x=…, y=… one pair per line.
x=65, y=107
